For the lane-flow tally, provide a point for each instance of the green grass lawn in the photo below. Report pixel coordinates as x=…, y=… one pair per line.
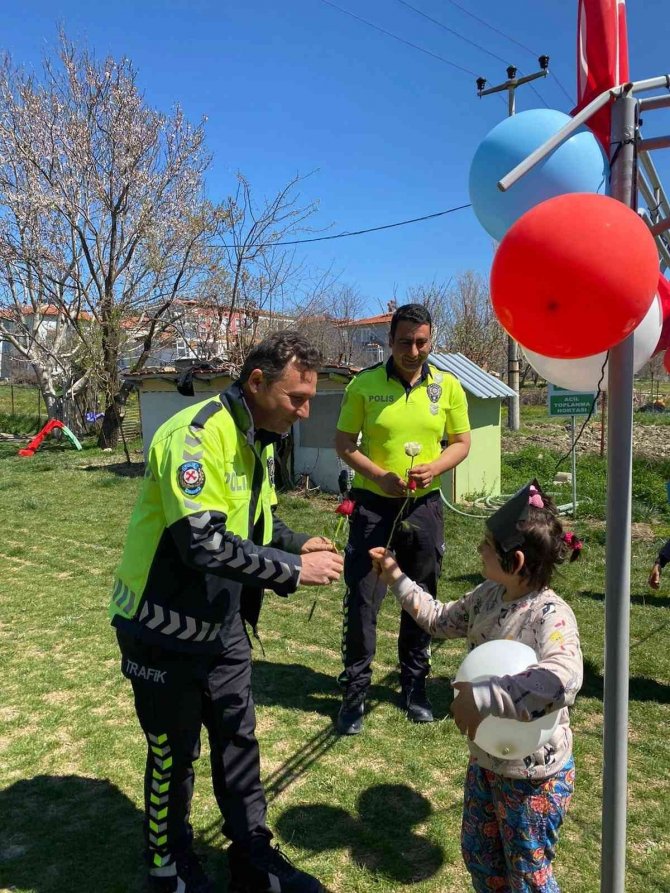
x=21, y=409
x=372, y=814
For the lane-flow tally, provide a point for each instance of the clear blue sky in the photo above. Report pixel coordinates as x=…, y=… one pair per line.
x=300, y=86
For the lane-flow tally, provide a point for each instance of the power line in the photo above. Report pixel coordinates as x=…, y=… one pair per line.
x=508, y=37
x=467, y=40
x=359, y=232
x=565, y=92
x=491, y=27
x=401, y=39
x=454, y=32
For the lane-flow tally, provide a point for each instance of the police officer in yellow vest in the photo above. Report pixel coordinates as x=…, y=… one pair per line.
x=203, y=543
x=403, y=401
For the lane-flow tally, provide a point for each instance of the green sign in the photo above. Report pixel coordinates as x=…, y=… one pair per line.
x=564, y=402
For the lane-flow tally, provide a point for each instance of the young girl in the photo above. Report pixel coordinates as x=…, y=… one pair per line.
x=512, y=809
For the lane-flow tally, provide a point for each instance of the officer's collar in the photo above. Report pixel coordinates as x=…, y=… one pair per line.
x=392, y=373
x=234, y=400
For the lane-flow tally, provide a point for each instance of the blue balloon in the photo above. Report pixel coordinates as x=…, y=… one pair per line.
x=577, y=165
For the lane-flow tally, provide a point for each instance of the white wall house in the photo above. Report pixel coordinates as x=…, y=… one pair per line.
x=367, y=339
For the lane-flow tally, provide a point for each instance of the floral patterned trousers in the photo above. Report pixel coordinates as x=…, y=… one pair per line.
x=510, y=829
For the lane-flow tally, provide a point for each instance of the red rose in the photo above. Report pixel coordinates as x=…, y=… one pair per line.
x=346, y=507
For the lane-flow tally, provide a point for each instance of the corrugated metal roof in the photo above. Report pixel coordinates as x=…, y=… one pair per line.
x=471, y=376
x=222, y=370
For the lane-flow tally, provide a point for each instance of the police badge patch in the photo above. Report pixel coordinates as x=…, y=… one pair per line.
x=434, y=392
x=271, y=470
x=191, y=478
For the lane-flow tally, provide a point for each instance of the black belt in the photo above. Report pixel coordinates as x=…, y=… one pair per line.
x=382, y=504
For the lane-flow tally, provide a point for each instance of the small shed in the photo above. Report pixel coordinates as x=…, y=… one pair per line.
x=159, y=399
x=480, y=472
x=314, y=453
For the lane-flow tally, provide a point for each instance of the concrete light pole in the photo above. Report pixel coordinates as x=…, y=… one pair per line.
x=511, y=85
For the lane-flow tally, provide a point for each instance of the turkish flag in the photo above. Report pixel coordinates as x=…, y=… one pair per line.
x=664, y=295
x=602, y=58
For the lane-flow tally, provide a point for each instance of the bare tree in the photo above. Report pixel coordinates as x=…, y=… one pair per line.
x=463, y=319
x=653, y=372
x=102, y=220
x=437, y=298
x=323, y=316
x=260, y=271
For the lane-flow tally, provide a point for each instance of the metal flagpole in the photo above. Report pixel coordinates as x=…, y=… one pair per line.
x=618, y=546
x=619, y=487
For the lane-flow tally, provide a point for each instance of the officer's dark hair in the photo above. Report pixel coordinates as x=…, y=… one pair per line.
x=276, y=351
x=415, y=313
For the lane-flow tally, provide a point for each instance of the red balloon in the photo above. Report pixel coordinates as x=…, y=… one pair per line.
x=574, y=275
x=666, y=360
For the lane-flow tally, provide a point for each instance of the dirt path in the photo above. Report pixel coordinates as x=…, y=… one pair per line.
x=652, y=441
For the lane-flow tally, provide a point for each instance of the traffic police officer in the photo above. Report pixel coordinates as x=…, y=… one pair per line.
x=202, y=545
x=385, y=408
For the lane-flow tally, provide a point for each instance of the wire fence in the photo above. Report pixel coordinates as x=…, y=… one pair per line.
x=22, y=400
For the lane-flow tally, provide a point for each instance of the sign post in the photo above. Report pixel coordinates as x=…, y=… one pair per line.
x=563, y=402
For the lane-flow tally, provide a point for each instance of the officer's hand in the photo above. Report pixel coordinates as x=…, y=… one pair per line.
x=655, y=577
x=318, y=544
x=464, y=710
x=392, y=484
x=423, y=475
x=319, y=568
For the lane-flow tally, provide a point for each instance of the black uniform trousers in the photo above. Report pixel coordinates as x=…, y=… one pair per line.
x=176, y=694
x=418, y=543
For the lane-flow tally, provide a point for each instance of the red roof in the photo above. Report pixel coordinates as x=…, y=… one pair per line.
x=10, y=312
x=370, y=320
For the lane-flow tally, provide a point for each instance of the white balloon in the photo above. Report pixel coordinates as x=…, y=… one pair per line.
x=508, y=739
x=583, y=374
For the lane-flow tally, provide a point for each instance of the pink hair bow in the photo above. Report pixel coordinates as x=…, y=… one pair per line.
x=535, y=498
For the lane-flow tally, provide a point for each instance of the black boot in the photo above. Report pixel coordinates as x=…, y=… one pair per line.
x=184, y=875
x=259, y=867
x=350, y=718
x=416, y=703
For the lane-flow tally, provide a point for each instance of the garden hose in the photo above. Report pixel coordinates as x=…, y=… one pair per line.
x=491, y=503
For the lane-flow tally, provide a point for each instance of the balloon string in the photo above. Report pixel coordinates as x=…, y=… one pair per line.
x=588, y=417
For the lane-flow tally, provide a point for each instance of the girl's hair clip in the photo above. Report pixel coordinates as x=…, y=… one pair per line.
x=535, y=497
x=572, y=541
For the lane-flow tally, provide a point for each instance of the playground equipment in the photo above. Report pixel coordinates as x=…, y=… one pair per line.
x=50, y=426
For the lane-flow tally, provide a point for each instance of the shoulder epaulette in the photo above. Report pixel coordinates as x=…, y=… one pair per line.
x=369, y=368
x=205, y=413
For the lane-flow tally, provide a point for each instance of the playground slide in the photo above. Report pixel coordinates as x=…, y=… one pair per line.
x=50, y=426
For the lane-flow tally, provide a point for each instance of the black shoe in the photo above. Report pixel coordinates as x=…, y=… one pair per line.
x=416, y=703
x=350, y=718
x=184, y=875
x=262, y=868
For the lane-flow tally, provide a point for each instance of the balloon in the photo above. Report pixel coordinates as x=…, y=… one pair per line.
x=509, y=739
x=583, y=374
x=577, y=165
x=664, y=295
x=574, y=276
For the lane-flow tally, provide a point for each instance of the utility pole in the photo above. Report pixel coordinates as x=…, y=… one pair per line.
x=511, y=85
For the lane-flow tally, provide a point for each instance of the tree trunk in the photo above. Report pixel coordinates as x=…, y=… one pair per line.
x=53, y=403
x=110, y=430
